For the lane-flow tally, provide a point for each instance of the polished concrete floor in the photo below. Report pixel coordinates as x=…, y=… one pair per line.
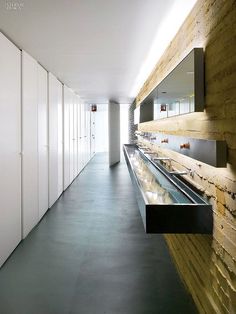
x=90, y=255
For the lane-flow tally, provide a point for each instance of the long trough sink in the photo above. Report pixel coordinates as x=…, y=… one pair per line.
x=166, y=203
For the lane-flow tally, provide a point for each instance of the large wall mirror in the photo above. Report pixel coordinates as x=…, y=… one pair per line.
x=180, y=92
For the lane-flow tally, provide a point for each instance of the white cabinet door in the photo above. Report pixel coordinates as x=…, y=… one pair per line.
x=66, y=137
x=82, y=129
x=79, y=139
x=10, y=147
x=30, y=212
x=75, y=140
x=55, y=160
x=60, y=140
x=88, y=133
x=92, y=136
x=71, y=137
x=42, y=140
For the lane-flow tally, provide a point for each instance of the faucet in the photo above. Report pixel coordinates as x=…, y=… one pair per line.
x=181, y=173
x=142, y=147
x=161, y=158
x=149, y=153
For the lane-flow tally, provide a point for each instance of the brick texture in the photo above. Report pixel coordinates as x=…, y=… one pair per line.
x=207, y=264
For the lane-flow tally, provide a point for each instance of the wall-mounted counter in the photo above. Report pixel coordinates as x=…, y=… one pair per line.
x=166, y=204
x=211, y=152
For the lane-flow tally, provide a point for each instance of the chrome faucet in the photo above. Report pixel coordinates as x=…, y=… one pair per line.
x=161, y=158
x=150, y=153
x=181, y=173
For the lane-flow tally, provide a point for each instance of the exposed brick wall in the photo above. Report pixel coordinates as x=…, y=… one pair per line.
x=132, y=126
x=207, y=264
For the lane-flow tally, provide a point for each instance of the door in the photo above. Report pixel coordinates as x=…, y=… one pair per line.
x=30, y=203
x=66, y=137
x=60, y=138
x=80, y=164
x=42, y=140
x=71, y=137
x=92, y=138
x=10, y=147
x=55, y=137
x=75, y=138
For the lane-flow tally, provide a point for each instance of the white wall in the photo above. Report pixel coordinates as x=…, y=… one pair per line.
x=124, y=123
x=10, y=147
x=101, y=128
x=114, y=132
x=30, y=209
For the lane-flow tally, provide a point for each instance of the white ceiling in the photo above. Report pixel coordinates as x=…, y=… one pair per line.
x=95, y=47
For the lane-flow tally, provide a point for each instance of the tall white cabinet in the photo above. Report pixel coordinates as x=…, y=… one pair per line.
x=92, y=135
x=42, y=140
x=45, y=141
x=88, y=133
x=67, y=95
x=82, y=135
x=60, y=138
x=75, y=138
x=30, y=209
x=71, y=136
x=79, y=159
x=10, y=147
x=55, y=139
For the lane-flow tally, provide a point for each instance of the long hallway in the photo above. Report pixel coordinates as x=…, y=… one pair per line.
x=90, y=255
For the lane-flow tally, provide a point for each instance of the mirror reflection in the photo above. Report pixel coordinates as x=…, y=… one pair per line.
x=181, y=92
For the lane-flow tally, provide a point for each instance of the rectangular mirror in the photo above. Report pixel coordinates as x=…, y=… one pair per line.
x=180, y=92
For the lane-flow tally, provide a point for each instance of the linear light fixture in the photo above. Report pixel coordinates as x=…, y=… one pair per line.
x=164, y=35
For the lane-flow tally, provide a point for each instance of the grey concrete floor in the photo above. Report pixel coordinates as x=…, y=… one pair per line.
x=90, y=255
